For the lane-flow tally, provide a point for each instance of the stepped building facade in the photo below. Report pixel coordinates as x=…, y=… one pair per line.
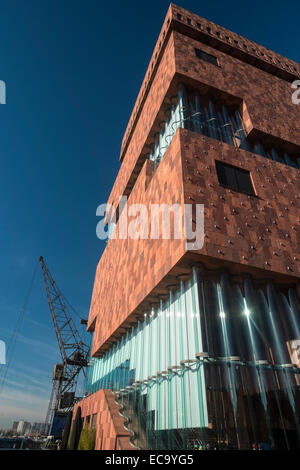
x=199, y=346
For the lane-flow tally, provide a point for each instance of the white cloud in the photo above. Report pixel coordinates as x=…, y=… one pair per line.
x=18, y=404
x=39, y=346
x=26, y=391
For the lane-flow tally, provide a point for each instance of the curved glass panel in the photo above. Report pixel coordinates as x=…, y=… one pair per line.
x=216, y=365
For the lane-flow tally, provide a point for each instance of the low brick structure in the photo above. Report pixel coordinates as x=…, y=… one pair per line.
x=101, y=411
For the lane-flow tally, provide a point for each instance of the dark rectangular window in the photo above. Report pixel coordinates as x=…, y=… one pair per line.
x=235, y=178
x=204, y=56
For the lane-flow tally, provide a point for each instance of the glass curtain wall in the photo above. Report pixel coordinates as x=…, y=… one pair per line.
x=213, y=119
x=211, y=367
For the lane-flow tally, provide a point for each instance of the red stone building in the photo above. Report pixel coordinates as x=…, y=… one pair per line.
x=199, y=346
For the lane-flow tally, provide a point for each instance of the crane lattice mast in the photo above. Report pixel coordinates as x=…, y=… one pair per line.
x=74, y=352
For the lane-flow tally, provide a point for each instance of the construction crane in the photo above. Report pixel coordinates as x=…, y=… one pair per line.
x=74, y=354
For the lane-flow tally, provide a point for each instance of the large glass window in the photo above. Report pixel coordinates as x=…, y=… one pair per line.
x=213, y=366
x=213, y=117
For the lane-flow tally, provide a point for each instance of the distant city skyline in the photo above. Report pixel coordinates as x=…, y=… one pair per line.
x=21, y=427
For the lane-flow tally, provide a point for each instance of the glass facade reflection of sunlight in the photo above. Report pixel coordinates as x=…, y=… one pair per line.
x=211, y=367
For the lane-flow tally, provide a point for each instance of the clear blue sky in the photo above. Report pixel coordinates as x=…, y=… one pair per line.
x=73, y=70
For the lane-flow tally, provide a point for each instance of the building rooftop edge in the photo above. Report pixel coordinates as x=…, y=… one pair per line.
x=189, y=22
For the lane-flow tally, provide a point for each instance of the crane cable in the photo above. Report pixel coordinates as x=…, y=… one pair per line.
x=13, y=338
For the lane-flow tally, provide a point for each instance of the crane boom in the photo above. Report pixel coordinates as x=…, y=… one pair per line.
x=74, y=352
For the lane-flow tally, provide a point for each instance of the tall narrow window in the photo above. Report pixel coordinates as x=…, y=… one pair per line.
x=235, y=178
x=94, y=420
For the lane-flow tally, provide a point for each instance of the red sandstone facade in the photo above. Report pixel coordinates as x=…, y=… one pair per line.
x=104, y=415
x=259, y=235
x=188, y=177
